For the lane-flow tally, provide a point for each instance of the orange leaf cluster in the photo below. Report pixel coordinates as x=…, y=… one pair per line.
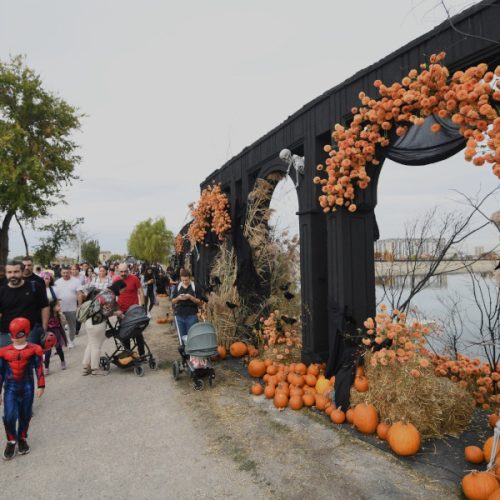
x=477, y=377
x=407, y=341
x=179, y=244
x=467, y=98
x=279, y=338
x=210, y=214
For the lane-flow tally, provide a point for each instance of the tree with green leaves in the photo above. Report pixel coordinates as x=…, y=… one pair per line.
x=60, y=233
x=37, y=154
x=116, y=257
x=90, y=252
x=151, y=241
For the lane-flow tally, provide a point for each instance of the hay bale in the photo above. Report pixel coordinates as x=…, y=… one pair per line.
x=435, y=405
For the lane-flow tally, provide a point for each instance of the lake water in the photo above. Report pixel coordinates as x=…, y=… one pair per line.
x=434, y=303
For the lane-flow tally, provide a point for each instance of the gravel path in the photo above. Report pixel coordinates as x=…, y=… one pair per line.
x=118, y=436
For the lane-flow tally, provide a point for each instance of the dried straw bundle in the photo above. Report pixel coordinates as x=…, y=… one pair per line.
x=435, y=405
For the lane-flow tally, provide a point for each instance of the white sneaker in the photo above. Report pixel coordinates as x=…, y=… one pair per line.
x=71, y=344
x=149, y=315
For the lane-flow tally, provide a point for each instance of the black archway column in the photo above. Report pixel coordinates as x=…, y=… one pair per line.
x=351, y=266
x=313, y=256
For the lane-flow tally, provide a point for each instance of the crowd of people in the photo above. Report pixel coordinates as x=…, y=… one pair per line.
x=38, y=303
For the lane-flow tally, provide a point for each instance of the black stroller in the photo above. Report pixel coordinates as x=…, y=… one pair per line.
x=199, y=346
x=134, y=321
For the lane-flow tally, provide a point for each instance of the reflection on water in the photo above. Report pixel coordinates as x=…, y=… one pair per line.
x=404, y=282
x=433, y=303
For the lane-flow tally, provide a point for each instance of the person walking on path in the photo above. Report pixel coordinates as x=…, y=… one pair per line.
x=102, y=280
x=49, y=286
x=132, y=294
x=149, y=289
x=21, y=298
x=96, y=327
x=186, y=299
x=28, y=274
x=68, y=290
x=55, y=325
x=18, y=361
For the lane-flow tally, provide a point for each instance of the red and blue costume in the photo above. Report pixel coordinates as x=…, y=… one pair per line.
x=16, y=373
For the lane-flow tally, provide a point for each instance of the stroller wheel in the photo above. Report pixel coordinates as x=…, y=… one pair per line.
x=104, y=363
x=175, y=370
x=198, y=384
x=152, y=364
x=139, y=370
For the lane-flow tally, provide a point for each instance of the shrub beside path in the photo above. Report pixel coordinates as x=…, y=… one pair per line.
x=123, y=436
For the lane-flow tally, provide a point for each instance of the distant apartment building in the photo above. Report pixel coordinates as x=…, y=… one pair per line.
x=401, y=248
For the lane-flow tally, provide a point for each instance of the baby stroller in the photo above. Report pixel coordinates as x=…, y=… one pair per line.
x=134, y=321
x=195, y=350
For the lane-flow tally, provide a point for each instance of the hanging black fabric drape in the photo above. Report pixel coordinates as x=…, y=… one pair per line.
x=419, y=146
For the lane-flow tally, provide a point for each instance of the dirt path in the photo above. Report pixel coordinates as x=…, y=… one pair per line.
x=153, y=438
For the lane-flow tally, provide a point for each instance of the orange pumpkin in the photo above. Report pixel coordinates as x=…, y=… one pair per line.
x=337, y=416
x=300, y=368
x=479, y=485
x=296, y=391
x=310, y=380
x=361, y=384
x=256, y=389
x=238, y=349
x=271, y=369
x=321, y=402
x=268, y=362
x=329, y=409
x=474, y=454
x=322, y=385
x=404, y=439
x=269, y=391
x=221, y=351
x=256, y=368
x=365, y=418
x=495, y=495
x=308, y=399
x=283, y=387
x=313, y=370
x=383, y=430
x=280, y=400
x=360, y=371
x=349, y=415
x=493, y=419
x=487, y=449
x=295, y=402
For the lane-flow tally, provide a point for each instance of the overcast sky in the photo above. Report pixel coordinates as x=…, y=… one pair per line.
x=172, y=90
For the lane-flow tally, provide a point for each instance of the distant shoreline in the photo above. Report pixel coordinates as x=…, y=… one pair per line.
x=402, y=267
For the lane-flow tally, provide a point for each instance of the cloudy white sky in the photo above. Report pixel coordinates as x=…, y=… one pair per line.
x=171, y=90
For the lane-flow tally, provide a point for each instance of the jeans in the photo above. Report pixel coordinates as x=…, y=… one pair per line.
x=71, y=319
x=184, y=323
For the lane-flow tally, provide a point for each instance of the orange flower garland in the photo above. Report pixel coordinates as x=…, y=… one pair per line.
x=179, y=244
x=211, y=214
x=466, y=98
x=279, y=339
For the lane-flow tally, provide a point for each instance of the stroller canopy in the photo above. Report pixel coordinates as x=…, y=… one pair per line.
x=201, y=340
x=134, y=321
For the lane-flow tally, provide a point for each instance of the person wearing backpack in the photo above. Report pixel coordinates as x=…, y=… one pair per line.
x=22, y=298
x=95, y=313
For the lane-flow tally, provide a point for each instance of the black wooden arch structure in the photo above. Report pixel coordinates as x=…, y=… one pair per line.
x=336, y=250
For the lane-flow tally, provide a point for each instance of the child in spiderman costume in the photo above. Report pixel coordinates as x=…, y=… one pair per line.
x=17, y=363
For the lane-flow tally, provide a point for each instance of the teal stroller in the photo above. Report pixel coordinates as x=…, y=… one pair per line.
x=196, y=349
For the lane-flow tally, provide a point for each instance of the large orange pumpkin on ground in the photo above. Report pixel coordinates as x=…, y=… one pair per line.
x=308, y=399
x=488, y=448
x=295, y=402
x=365, y=418
x=337, y=416
x=269, y=391
x=256, y=368
x=474, y=454
x=349, y=415
x=256, y=389
x=404, y=439
x=238, y=349
x=479, y=485
x=280, y=400
x=322, y=385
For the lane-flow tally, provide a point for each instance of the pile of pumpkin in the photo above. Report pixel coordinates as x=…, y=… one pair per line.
x=482, y=485
x=297, y=385
x=165, y=319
